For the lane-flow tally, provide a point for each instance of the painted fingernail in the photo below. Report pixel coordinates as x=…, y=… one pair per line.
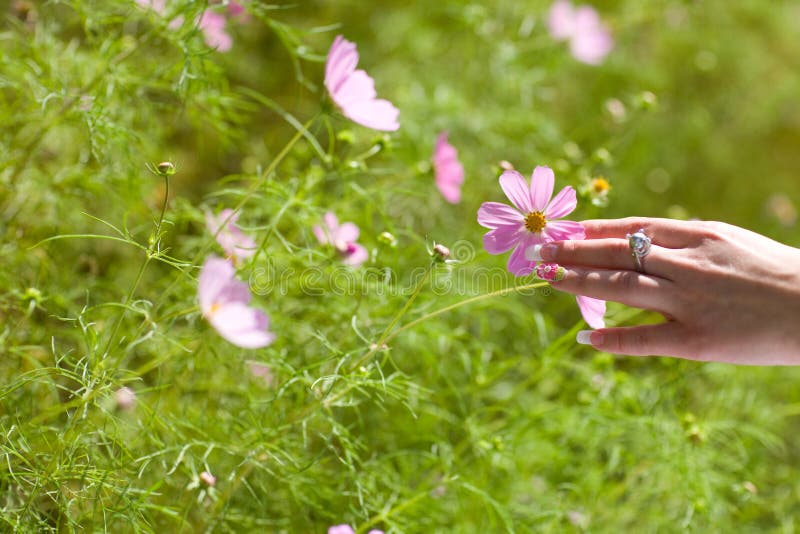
x=589, y=337
x=540, y=252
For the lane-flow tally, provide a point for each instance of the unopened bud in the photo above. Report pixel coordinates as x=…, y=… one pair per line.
x=387, y=239
x=506, y=165
x=165, y=168
x=125, y=398
x=208, y=479
x=440, y=253
x=647, y=100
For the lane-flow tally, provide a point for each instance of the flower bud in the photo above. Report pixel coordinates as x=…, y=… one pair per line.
x=125, y=398
x=208, y=479
x=387, y=239
x=440, y=253
x=165, y=168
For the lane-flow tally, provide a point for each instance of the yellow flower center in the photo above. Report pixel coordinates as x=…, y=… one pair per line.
x=214, y=308
x=535, y=221
x=600, y=185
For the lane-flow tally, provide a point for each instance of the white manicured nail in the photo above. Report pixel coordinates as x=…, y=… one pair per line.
x=533, y=253
x=584, y=337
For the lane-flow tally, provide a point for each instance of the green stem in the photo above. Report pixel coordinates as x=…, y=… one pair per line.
x=386, y=333
x=446, y=309
x=154, y=247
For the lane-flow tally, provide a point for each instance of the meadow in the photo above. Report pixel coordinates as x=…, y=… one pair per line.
x=190, y=342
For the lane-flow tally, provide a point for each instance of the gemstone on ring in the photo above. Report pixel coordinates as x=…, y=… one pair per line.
x=639, y=243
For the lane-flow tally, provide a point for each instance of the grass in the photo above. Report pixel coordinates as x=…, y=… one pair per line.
x=405, y=396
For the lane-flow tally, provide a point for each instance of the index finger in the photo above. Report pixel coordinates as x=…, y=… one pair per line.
x=668, y=233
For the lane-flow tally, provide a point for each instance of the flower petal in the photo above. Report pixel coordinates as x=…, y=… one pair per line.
x=355, y=255
x=341, y=62
x=542, y=183
x=377, y=114
x=213, y=27
x=563, y=230
x=321, y=234
x=518, y=264
x=243, y=326
x=503, y=238
x=516, y=189
x=215, y=275
x=347, y=232
x=561, y=20
x=451, y=192
x=331, y=221
x=592, y=311
x=448, y=170
x=358, y=87
x=563, y=204
x=495, y=214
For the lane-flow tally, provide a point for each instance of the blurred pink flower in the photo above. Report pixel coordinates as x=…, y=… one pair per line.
x=343, y=238
x=212, y=25
x=236, y=244
x=262, y=371
x=224, y=303
x=354, y=91
x=347, y=529
x=590, y=40
x=532, y=222
x=237, y=10
x=449, y=171
x=591, y=309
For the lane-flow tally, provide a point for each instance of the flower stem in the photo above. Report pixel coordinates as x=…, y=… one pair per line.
x=387, y=331
x=154, y=247
x=477, y=298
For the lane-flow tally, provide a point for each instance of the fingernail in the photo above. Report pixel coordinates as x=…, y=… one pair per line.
x=540, y=253
x=589, y=337
x=584, y=337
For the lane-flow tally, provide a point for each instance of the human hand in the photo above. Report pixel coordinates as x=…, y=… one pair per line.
x=728, y=294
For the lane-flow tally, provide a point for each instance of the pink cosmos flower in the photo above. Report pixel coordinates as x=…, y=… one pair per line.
x=343, y=238
x=591, y=309
x=534, y=220
x=212, y=25
x=236, y=245
x=224, y=303
x=589, y=39
x=237, y=10
x=347, y=529
x=449, y=171
x=354, y=91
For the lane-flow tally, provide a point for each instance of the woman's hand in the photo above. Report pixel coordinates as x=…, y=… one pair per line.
x=728, y=294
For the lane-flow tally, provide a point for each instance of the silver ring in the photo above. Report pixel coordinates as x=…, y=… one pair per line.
x=640, y=247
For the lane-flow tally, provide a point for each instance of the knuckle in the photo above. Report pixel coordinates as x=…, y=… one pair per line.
x=712, y=231
x=625, y=280
x=566, y=250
